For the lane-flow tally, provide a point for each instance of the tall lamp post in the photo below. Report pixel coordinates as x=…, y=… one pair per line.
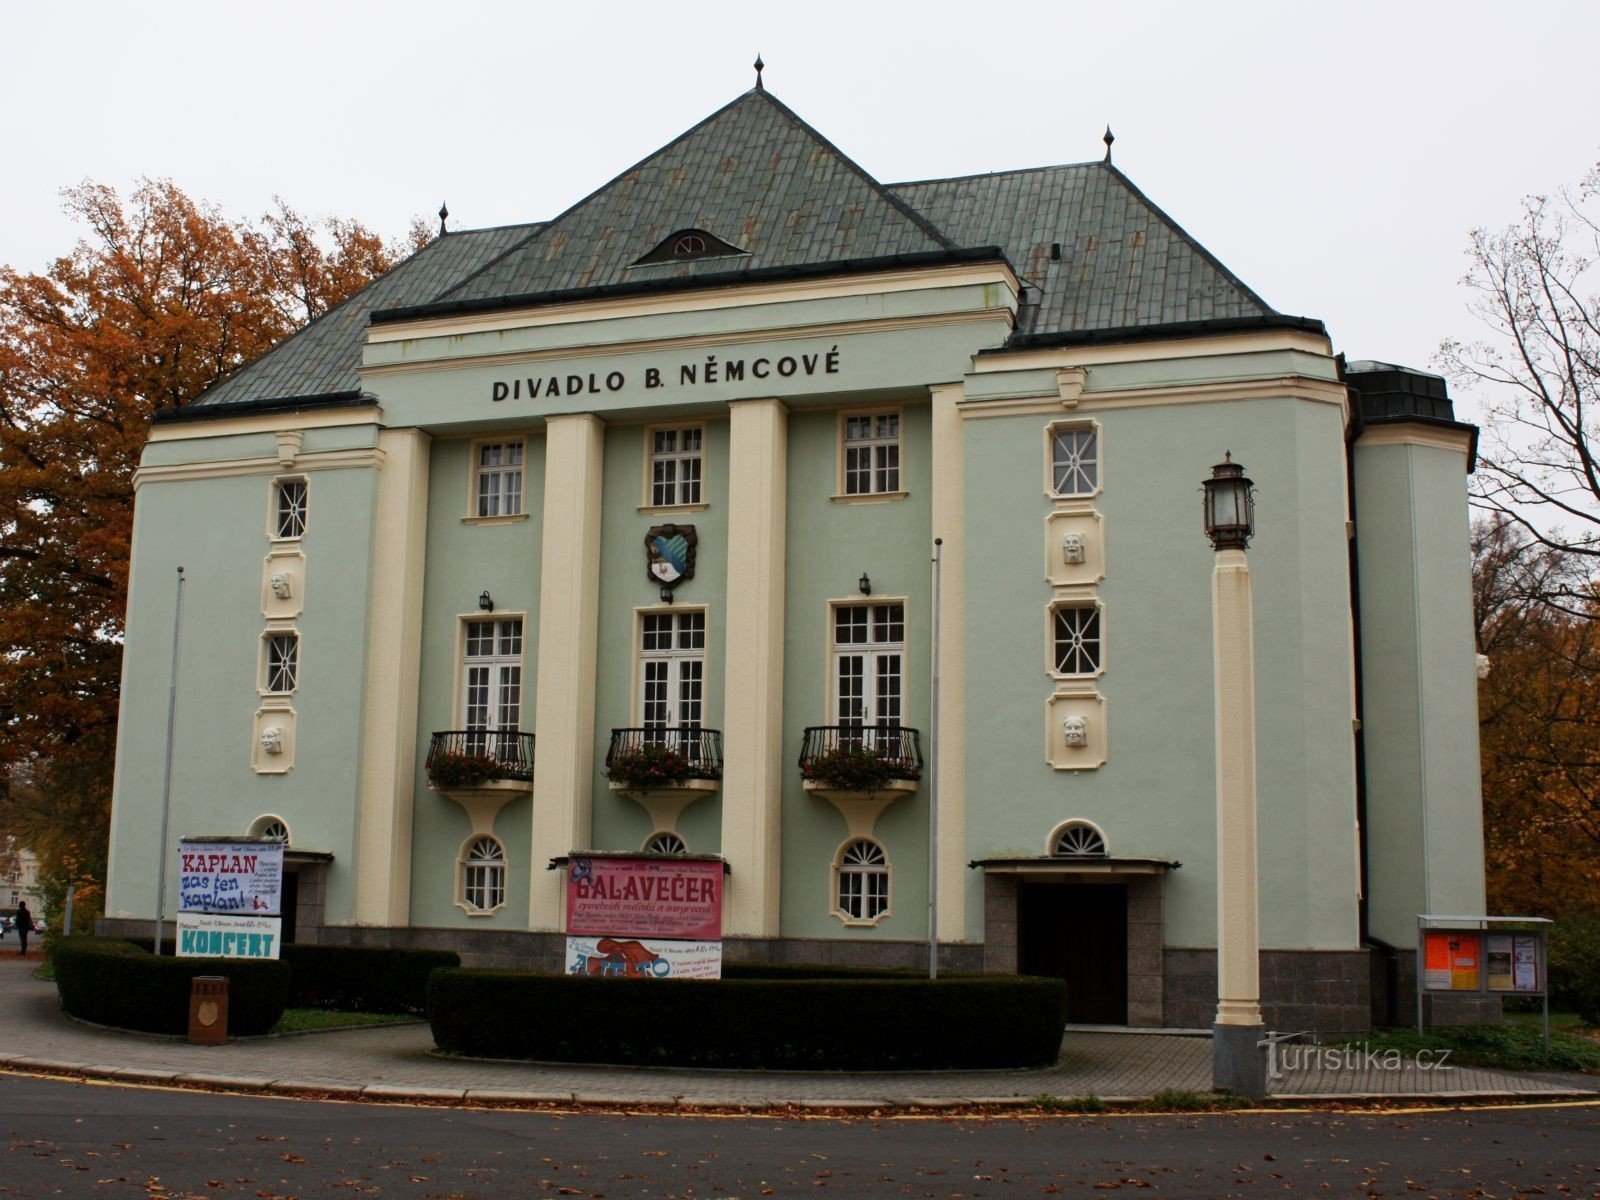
x=1238, y=1052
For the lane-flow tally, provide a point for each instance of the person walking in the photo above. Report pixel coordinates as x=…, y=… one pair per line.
x=24, y=926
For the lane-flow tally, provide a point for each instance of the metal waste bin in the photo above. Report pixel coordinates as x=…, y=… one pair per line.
x=208, y=1010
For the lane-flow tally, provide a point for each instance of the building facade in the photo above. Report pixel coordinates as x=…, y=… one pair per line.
x=670, y=471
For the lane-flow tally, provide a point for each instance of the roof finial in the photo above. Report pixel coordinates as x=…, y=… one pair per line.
x=1108, y=139
x=760, y=66
x=444, y=215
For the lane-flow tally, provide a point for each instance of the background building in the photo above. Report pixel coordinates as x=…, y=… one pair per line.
x=669, y=469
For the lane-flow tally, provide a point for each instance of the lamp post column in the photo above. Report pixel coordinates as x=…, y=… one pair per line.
x=1239, y=1057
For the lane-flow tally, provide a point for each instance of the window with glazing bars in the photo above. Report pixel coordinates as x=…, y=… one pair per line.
x=871, y=454
x=483, y=875
x=1077, y=639
x=492, y=684
x=500, y=479
x=863, y=881
x=675, y=465
x=672, y=649
x=289, y=509
x=1074, y=460
x=283, y=662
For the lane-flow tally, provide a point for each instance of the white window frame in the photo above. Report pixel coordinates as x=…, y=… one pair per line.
x=482, y=877
x=275, y=529
x=677, y=457
x=1052, y=843
x=659, y=841
x=496, y=664
x=1052, y=657
x=856, y=908
x=1094, y=430
x=267, y=677
x=676, y=661
x=872, y=650
x=509, y=505
x=877, y=478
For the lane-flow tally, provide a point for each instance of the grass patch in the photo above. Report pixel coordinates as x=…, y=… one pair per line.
x=1184, y=1100
x=1069, y=1104
x=304, y=1020
x=1514, y=1046
x=46, y=971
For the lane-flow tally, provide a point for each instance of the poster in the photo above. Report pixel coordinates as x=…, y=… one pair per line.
x=1465, y=962
x=237, y=876
x=216, y=935
x=1436, y=961
x=643, y=958
x=1497, y=962
x=645, y=897
x=1525, y=963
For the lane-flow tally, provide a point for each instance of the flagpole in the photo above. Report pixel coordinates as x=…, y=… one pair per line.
x=166, y=774
x=933, y=779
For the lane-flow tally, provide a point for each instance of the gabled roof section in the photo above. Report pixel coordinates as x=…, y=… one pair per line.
x=1122, y=262
x=322, y=358
x=753, y=172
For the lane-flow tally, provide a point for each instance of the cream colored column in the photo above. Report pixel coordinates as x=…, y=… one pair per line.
x=569, y=602
x=950, y=523
x=752, y=783
x=1238, y=906
x=394, y=647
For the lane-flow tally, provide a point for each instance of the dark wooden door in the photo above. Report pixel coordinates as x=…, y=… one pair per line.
x=1079, y=932
x=291, y=902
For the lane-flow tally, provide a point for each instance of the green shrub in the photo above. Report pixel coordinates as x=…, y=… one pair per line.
x=456, y=770
x=113, y=982
x=363, y=978
x=852, y=1023
x=1575, y=966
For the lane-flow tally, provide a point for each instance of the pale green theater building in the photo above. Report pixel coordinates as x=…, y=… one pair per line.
x=670, y=470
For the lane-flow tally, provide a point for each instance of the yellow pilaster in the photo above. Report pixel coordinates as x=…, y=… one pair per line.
x=949, y=523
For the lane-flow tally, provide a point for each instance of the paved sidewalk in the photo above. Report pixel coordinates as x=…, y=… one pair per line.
x=395, y=1062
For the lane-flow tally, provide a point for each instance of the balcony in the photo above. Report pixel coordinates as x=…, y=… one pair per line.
x=665, y=770
x=482, y=770
x=861, y=769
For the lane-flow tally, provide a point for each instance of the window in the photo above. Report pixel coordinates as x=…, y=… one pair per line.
x=871, y=453
x=665, y=843
x=675, y=465
x=499, y=479
x=1078, y=839
x=289, y=509
x=491, y=698
x=1074, y=460
x=269, y=826
x=868, y=661
x=862, y=877
x=672, y=662
x=283, y=662
x=483, y=875
x=1077, y=639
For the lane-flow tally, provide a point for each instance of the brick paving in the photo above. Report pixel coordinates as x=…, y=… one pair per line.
x=397, y=1062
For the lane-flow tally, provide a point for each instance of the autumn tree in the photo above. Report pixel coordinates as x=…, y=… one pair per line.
x=162, y=297
x=1536, y=366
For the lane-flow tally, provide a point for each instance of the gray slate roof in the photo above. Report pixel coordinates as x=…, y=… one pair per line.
x=757, y=176
x=1123, y=261
x=321, y=359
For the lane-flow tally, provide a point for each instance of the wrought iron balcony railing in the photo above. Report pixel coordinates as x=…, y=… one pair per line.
x=701, y=747
x=841, y=753
x=509, y=754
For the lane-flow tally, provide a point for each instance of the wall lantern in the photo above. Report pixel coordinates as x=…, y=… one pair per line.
x=666, y=594
x=485, y=601
x=1230, y=506
x=864, y=584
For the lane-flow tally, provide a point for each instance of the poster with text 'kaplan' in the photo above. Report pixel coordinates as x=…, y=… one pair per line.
x=648, y=896
x=231, y=877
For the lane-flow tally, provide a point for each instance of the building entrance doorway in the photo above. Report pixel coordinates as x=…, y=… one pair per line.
x=289, y=906
x=1079, y=932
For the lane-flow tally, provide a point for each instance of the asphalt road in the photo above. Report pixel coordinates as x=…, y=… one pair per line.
x=89, y=1140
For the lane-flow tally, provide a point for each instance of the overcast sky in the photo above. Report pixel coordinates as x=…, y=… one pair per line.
x=1333, y=155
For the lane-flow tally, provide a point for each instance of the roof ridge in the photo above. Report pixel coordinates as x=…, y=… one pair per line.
x=996, y=174
x=350, y=299
x=922, y=222
x=1188, y=238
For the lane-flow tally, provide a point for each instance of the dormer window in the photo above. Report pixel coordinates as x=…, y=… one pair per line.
x=689, y=244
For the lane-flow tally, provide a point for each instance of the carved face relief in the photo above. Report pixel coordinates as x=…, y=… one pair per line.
x=1075, y=731
x=272, y=740
x=1073, y=548
x=281, y=583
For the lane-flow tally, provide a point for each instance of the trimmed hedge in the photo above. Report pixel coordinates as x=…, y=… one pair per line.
x=363, y=978
x=843, y=1022
x=113, y=982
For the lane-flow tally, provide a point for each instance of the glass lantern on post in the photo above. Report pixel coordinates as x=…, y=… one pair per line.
x=1230, y=506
